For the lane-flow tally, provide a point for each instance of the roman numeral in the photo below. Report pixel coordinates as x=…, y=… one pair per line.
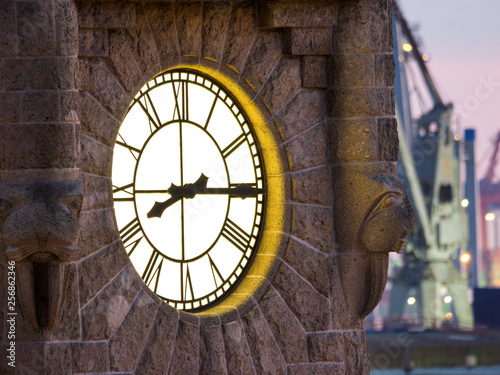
x=132, y=149
x=155, y=121
x=233, y=146
x=128, y=232
x=211, y=109
x=215, y=271
x=153, y=269
x=187, y=284
x=124, y=188
x=237, y=236
x=181, y=107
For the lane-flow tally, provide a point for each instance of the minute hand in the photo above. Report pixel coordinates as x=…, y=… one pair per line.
x=241, y=191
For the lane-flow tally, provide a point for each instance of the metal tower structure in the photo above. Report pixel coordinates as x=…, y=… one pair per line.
x=490, y=201
x=429, y=166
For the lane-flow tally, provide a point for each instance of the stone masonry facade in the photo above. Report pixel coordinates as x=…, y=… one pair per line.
x=322, y=73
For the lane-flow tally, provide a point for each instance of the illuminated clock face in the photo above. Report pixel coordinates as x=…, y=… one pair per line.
x=188, y=188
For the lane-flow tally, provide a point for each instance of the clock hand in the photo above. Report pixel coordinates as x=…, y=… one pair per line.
x=177, y=193
x=200, y=187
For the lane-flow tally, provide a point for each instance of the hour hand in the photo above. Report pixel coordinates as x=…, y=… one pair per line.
x=178, y=192
x=159, y=207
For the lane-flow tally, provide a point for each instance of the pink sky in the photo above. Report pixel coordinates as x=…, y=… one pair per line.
x=462, y=39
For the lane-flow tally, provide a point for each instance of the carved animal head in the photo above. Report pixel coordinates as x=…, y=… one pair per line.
x=39, y=219
x=390, y=219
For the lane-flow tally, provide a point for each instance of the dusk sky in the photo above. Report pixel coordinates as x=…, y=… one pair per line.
x=462, y=39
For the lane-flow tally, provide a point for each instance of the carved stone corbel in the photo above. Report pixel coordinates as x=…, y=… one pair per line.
x=39, y=223
x=373, y=217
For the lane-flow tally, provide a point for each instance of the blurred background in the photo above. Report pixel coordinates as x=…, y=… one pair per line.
x=440, y=313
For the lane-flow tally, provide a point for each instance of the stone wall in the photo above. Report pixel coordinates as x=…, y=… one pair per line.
x=321, y=72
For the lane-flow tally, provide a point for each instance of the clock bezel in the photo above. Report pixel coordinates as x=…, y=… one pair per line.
x=231, y=102
x=273, y=243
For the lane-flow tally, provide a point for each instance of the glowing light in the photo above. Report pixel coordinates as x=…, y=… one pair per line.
x=447, y=299
x=407, y=47
x=449, y=315
x=465, y=202
x=457, y=137
x=425, y=57
x=490, y=216
x=465, y=258
x=411, y=301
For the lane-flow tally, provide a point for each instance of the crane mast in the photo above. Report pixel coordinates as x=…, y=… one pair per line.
x=429, y=166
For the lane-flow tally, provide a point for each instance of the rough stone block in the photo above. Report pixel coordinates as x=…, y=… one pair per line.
x=127, y=343
x=215, y=22
x=35, y=28
x=97, y=192
x=363, y=27
x=287, y=330
x=296, y=13
x=90, y=357
x=10, y=107
x=318, y=369
x=186, y=351
x=106, y=14
x=262, y=58
x=8, y=32
x=266, y=355
x=384, y=70
x=303, y=111
x=189, y=25
x=353, y=140
x=388, y=141
x=312, y=186
x=43, y=146
x=309, y=149
x=309, y=264
x=95, y=157
x=43, y=73
x=41, y=106
x=162, y=22
x=314, y=72
x=97, y=229
x=43, y=358
x=95, y=121
x=360, y=102
x=355, y=353
x=122, y=62
x=326, y=347
x=66, y=24
x=96, y=270
x=307, y=41
x=310, y=307
x=157, y=352
x=102, y=316
x=351, y=71
x=93, y=76
x=211, y=351
x=341, y=317
x=142, y=43
x=238, y=357
x=69, y=106
x=93, y=43
x=240, y=34
x=282, y=85
x=313, y=224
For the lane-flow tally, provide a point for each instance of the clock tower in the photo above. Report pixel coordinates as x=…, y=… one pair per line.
x=195, y=187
